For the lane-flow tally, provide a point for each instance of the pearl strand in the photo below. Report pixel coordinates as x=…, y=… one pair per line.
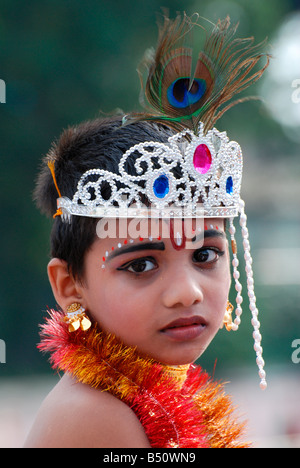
x=252, y=299
x=236, y=276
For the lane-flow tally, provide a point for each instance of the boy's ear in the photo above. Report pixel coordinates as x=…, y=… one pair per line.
x=66, y=289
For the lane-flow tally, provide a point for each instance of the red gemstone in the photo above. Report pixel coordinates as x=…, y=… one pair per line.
x=202, y=159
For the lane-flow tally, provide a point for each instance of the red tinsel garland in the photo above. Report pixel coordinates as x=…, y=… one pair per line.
x=194, y=415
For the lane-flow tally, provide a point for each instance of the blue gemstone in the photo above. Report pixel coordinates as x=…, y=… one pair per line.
x=161, y=186
x=229, y=185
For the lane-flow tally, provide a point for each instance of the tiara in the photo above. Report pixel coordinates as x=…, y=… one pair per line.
x=194, y=176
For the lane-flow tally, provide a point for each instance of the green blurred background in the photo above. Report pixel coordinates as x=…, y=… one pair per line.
x=68, y=61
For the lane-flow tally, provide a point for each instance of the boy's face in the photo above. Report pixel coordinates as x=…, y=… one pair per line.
x=167, y=301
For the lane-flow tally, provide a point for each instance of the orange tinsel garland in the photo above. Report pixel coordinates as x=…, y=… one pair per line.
x=195, y=414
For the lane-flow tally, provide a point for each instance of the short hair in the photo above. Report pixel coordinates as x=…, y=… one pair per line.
x=99, y=143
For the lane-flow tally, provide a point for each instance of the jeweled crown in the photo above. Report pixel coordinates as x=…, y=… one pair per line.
x=195, y=175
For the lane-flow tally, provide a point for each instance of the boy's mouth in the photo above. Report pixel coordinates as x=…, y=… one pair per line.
x=185, y=328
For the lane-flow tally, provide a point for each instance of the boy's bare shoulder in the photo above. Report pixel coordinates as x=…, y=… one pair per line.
x=76, y=415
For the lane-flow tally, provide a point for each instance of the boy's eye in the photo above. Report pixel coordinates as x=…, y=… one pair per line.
x=140, y=265
x=207, y=255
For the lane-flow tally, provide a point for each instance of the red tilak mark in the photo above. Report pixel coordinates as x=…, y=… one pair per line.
x=172, y=237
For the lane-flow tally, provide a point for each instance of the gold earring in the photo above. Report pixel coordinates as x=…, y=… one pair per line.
x=227, y=321
x=76, y=317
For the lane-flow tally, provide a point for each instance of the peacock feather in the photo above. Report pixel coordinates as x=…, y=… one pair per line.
x=183, y=89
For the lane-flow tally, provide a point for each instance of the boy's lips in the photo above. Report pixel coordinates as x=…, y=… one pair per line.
x=185, y=328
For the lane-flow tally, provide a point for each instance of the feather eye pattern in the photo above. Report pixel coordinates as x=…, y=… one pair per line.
x=183, y=90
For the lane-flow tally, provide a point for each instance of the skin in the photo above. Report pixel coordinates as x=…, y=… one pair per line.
x=169, y=302
x=159, y=285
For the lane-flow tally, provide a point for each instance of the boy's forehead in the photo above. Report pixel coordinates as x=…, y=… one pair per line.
x=129, y=235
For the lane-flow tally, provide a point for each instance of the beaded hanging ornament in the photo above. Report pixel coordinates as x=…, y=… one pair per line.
x=197, y=172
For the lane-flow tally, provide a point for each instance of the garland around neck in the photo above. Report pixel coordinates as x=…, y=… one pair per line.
x=194, y=413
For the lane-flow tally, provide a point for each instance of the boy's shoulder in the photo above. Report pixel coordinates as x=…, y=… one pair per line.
x=76, y=415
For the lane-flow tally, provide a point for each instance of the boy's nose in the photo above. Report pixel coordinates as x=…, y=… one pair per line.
x=182, y=289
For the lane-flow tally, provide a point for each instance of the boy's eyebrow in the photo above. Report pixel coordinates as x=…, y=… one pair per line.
x=209, y=233
x=214, y=233
x=136, y=248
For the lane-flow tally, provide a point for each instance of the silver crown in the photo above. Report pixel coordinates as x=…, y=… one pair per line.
x=189, y=176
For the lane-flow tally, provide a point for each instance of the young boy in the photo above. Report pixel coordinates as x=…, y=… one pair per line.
x=141, y=308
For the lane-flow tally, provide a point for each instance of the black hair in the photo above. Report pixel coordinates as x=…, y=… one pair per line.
x=99, y=143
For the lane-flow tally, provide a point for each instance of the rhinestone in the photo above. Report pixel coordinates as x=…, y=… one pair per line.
x=161, y=186
x=202, y=159
x=229, y=185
